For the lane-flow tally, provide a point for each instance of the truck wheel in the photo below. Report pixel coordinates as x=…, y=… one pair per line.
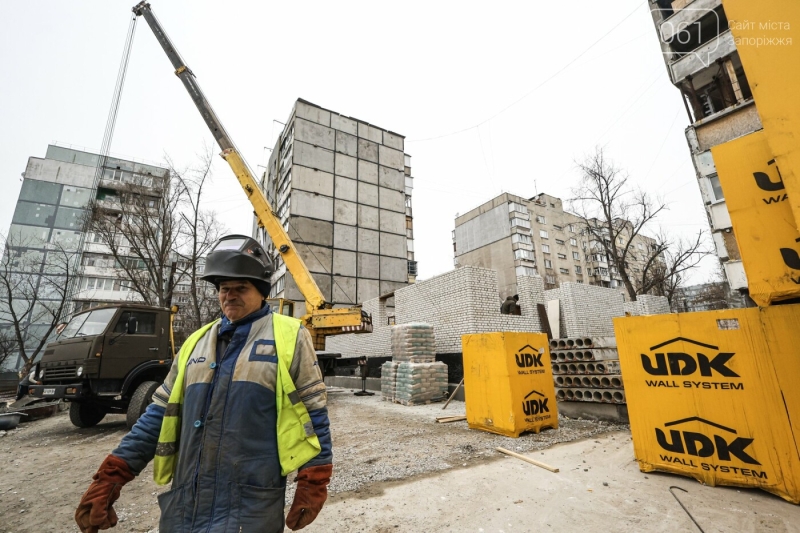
x=140, y=400
x=85, y=415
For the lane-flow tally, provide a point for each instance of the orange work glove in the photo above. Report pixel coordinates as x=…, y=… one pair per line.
x=309, y=496
x=95, y=511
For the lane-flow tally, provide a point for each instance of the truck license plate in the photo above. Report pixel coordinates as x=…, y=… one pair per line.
x=48, y=392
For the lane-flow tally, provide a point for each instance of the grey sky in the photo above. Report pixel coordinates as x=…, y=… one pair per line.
x=422, y=69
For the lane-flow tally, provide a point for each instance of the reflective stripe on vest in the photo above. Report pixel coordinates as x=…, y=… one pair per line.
x=297, y=442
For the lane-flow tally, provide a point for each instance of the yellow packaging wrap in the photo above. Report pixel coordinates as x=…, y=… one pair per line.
x=762, y=218
x=508, y=383
x=714, y=395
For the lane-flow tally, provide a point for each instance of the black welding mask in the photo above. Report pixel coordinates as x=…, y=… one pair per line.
x=239, y=257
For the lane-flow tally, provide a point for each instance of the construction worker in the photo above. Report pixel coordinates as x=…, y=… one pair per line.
x=508, y=306
x=243, y=405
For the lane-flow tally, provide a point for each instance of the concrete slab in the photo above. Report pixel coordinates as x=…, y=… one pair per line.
x=346, y=144
x=393, y=141
x=313, y=133
x=344, y=264
x=302, y=229
x=317, y=258
x=367, y=194
x=306, y=204
x=368, y=241
x=607, y=412
x=346, y=166
x=312, y=157
x=393, y=222
x=368, y=267
x=391, y=178
x=314, y=114
x=367, y=289
x=391, y=158
x=372, y=133
x=368, y=150
x=394, y=269
x=344, y=289
x=368, y=217
x=392, y=200
x=367, y=172
x=347, y=125
x=308, y=179
x=346, y=189
x=345, y=212
x=345, y=237
x=393, y=245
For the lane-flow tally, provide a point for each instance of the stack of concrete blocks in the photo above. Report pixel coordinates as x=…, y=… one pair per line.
x=413, y=377
x=345, y=184
x=646, y=304
x=462, y=301
x=586, y=369
x=389, y=381
x=586, y=310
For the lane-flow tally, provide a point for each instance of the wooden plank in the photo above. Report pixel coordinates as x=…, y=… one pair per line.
x=454, y=393
x=448, y=419
x=527, y=459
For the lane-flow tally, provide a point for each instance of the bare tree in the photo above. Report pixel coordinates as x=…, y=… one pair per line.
x=615, y=214
x=34, y=281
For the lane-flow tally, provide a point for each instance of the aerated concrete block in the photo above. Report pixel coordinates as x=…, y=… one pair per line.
x=391, y=158
x=306, y=204
x=345, y=212
x=393, y=245
x=368, y=266
x=346, y=189
x=346, y=166
x=308, y=179
x=312, y=133
x=347, y=125
x=366, y=131
x=368, y=241
x=391, y=178
x=345, y=237
x=344, y=264
x=394, y=269
x=393, y=222
x=368, y=217
x=368, y=150
x=393, y=140
x=367, y=290
x=367, y=172
x=314, y=114
x=344, y=289
x=367, y=194
x=391, y=200
x=313, y=157
x=346, y=144
x=302, y=229
x=316, y=258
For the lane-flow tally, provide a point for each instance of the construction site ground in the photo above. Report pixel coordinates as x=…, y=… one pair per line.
x=396, y=470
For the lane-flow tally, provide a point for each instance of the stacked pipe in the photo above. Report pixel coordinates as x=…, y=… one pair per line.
x=413, y=376
x=586, y=369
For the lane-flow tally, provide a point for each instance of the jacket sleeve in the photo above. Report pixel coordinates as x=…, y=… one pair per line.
x=307, y=379
x=138, y=447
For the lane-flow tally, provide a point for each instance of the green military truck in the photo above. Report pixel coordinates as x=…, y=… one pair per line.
x=108, y=359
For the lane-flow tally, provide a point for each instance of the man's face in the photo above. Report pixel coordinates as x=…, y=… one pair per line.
x=238, y=298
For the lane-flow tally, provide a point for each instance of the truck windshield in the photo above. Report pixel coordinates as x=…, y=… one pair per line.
x=92, y=323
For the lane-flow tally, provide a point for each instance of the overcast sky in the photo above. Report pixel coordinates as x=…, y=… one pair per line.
x=489, y=96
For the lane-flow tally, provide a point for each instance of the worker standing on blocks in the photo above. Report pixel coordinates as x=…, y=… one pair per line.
x=243, y=405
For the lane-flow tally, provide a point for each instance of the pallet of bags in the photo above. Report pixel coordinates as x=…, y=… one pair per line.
x=420, y=383
x=389, y=381
x=414, y=342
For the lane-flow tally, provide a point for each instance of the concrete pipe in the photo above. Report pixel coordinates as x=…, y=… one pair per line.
x=580, y=356
x=553, y=344
x=560, y=381
x=567, y=381
x=560, y=394
x=605, y=382
x=572, y=368
x=570, y=343
x=578, y=394
x=597, y=396
x=564, y=368
x=601, y=368
x=570, y=394
x=561, y=344
x=579, y=342
x=619, y=397
x=616, y=382
x=560, y=356
x=586, y=381
x=595, y=382
x=607, y=397
x=588, y=355
x=581, y=368
x=587, y=342
x=570, y=356
x=590, y=368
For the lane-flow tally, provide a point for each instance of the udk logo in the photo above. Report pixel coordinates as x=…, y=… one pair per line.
x=534, y=406
x=684, y=364
x=765, y=183
x=526, y=359
x=703, y=444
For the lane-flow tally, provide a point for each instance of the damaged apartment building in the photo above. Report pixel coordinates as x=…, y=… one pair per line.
x=341, y=187
x=536, y=236
x=703, y=63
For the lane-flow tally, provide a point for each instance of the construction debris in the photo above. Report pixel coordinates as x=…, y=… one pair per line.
x=527, y=460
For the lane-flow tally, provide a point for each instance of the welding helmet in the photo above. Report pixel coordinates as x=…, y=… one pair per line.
x=239, y=257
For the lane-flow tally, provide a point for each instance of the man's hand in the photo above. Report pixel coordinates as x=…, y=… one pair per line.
x=309, y=496
x=95, y=511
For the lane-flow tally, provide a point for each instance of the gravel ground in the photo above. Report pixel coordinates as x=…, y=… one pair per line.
x=47, y=464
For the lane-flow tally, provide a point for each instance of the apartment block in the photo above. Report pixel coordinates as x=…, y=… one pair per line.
x=516, y=236
x=342, y=189
x=703, y=63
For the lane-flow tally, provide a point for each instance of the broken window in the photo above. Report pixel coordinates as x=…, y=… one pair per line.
x=540, y=219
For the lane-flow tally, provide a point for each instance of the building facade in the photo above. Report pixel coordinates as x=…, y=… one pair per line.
x=702, y=61
x=342, y=189
x=536, y=236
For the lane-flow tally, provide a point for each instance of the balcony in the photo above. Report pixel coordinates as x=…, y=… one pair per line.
x=720, y=46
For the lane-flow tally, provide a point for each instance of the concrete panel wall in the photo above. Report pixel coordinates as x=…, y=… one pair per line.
x=367, y=289
x=345, y=237
x=368, y=266
x=317, y=258
x=393, y=222
x=344, y=289
x=346, y=189
x=393, y=245
x=393, y=140
x=368, y=217
x=313, y=157
x=369, y=132
x=302, y=229
x=308, y=179
x=306, y=204
x=344, y=263
x=391, y=200
x=312, y=113
x=368, y=194
x=367, y=172
x=391, y=158
x=346, y=166
x=347, y=125
x=368, y=241
x=312, y=133
x=346, y=144
x=367, y=150
x=481, y=231
x=345, y=212
x=393, y=269
x=391, y=178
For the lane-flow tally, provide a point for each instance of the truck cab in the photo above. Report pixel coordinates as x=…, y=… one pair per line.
x=108, y=359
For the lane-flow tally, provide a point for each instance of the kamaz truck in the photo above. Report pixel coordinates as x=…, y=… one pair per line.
x=108, y=359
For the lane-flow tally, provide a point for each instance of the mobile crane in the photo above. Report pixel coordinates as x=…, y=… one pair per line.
x=320, y=319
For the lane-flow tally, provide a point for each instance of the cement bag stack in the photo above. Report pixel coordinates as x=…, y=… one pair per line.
x=413, y=377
